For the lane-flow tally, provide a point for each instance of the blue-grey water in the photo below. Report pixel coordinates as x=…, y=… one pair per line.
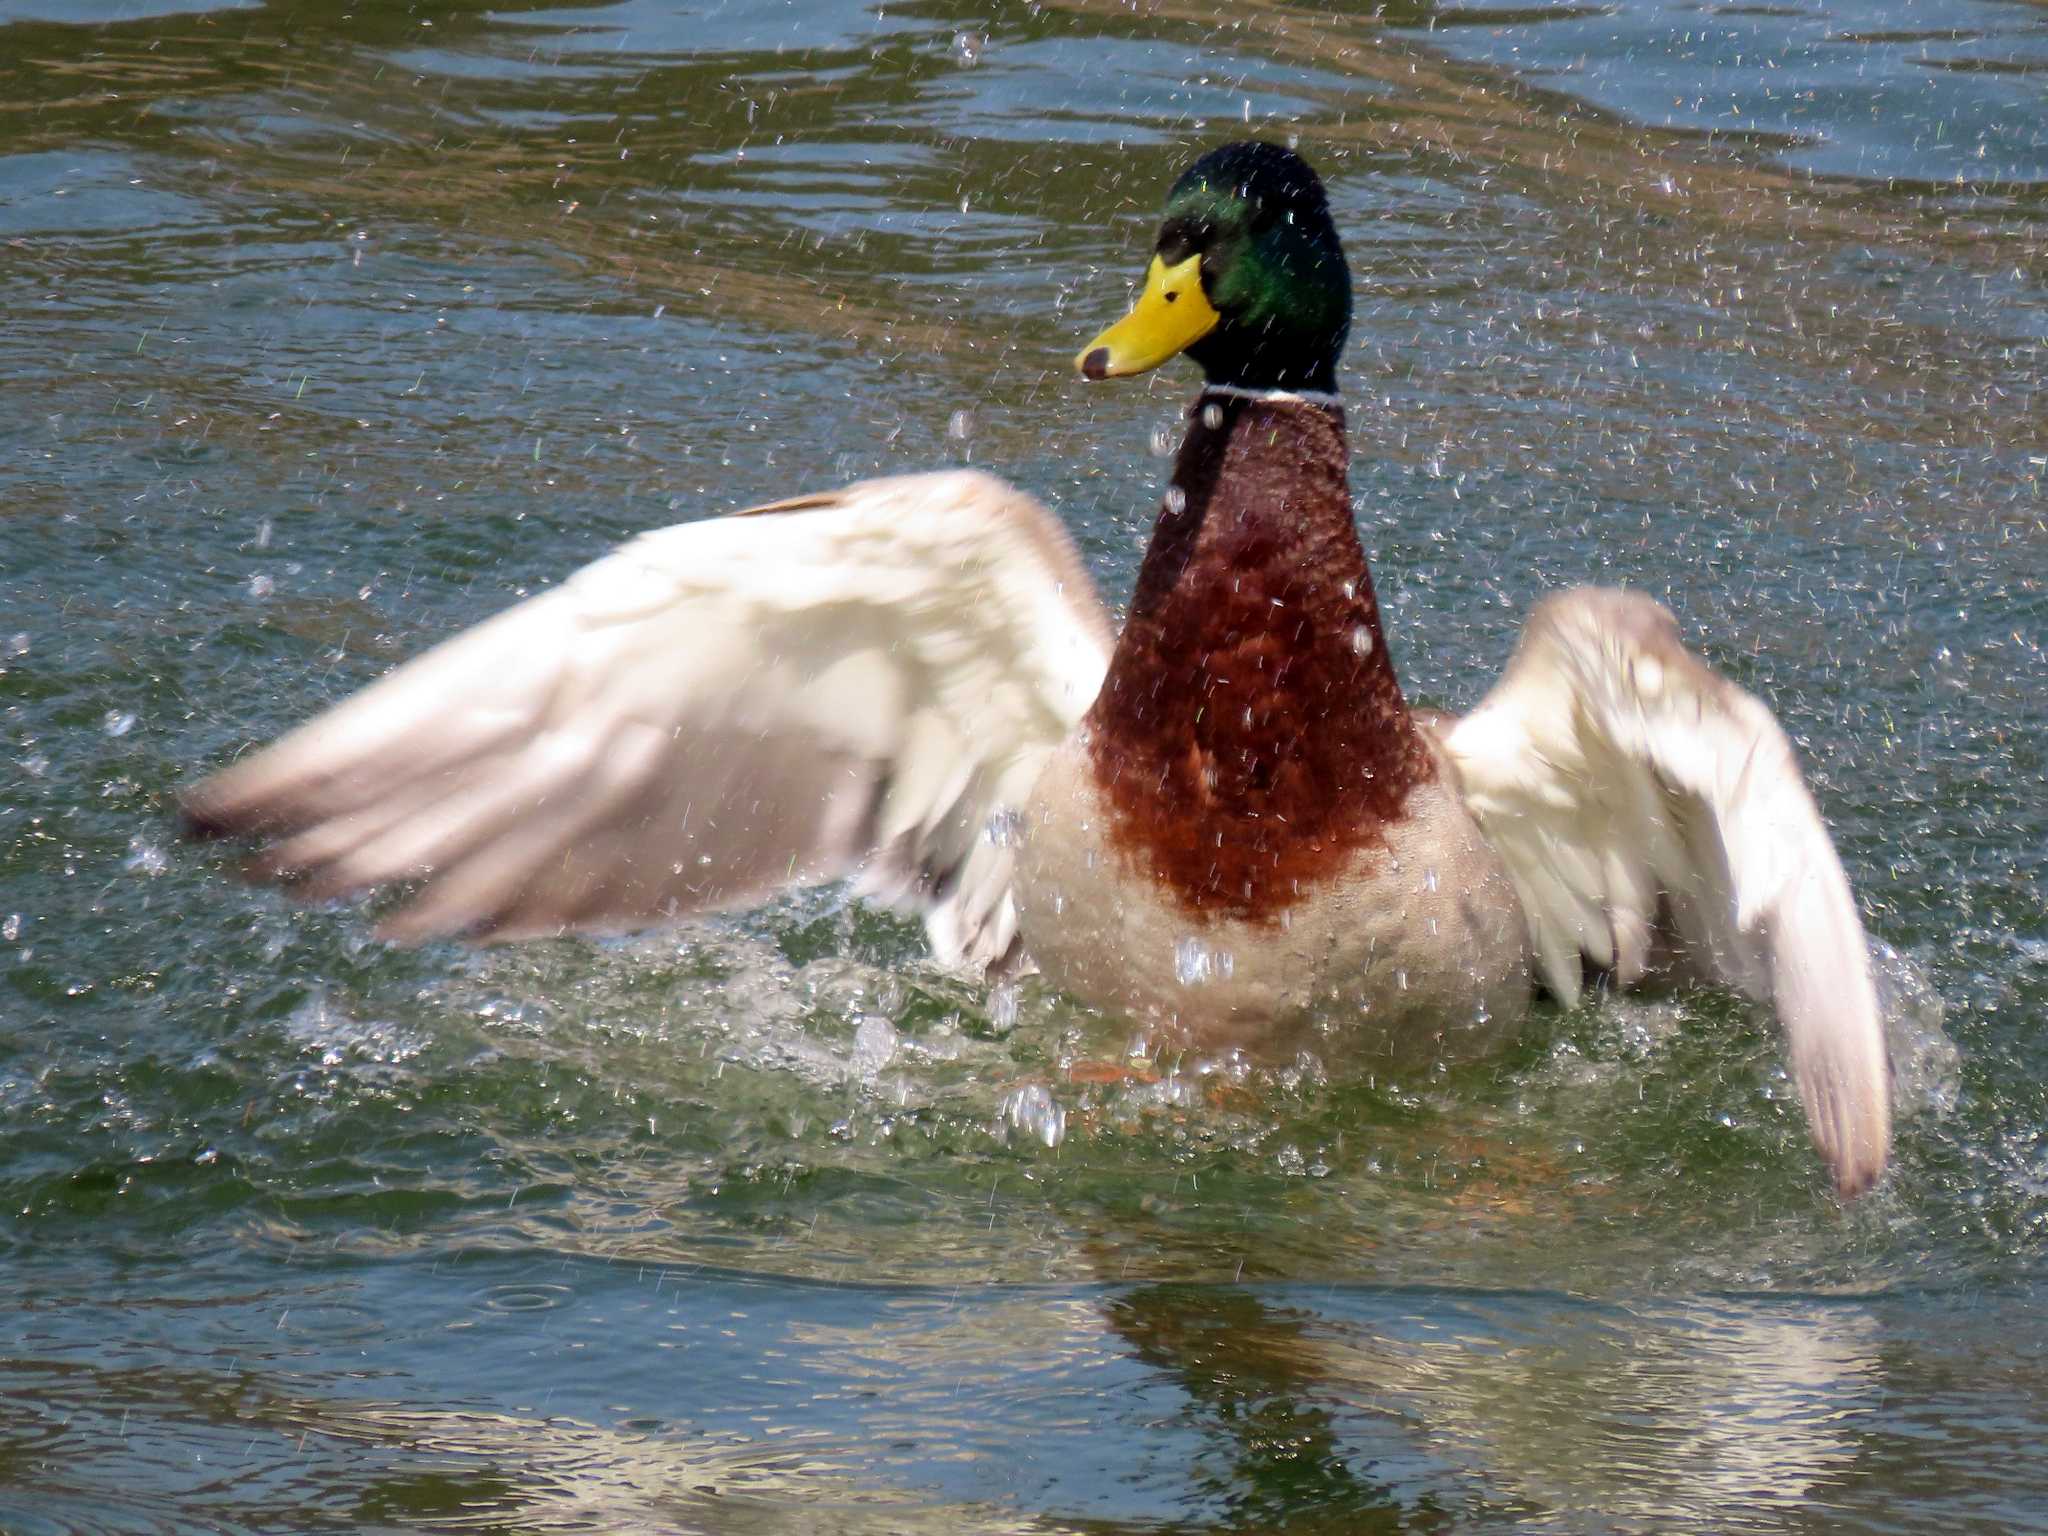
x=326, y=330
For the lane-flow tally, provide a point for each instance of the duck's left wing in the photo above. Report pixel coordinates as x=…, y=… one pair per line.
x=856, y=685
x=1630, y=789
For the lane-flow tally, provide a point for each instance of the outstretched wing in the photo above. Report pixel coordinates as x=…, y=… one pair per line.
x=860, y=684
x=1631, y=789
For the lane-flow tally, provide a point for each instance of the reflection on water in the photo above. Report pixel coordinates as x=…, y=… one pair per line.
x=1723, y=1409
x=703, y=1400
x=332, y=329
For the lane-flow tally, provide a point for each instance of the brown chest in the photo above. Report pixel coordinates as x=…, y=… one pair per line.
x=1251, y=736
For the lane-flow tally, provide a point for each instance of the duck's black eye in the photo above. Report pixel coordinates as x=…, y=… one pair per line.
x=1181, y=238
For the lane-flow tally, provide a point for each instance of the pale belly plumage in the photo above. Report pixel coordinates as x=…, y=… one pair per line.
x=1414, y=952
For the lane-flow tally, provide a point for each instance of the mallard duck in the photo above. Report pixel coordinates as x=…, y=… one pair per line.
x=1221, y=819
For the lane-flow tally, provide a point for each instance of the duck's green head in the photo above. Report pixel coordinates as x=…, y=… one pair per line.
x=1247, y=277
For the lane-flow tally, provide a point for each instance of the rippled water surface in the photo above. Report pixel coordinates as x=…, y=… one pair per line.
x=330, y=329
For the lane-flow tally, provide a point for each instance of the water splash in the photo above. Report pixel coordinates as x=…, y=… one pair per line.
x=1196, y=963
x=1003, y=1003
x=1927, y=1069
x=875, y=1042
x=1031, y=1109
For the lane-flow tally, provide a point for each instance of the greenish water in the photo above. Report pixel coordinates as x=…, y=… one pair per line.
x=328, y=330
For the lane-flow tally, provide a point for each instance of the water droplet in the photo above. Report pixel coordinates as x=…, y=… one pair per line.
x=1005, y=828
x=117, y=722
x=1032, y=1110
x=1361, y=640
x=968, y=47
x=261, y=586
x=1195, y=964
x=874, y=1044
x=1212, y=415
x=960, y=426
x=10, y=927
x=145, y=857
x=1176, y=500
x=1161, y=442
x=1429, y=878
x=1401, y=979
x=17, y=644
x=1002, y=1008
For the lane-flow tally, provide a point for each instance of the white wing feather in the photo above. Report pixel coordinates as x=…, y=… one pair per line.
x=853, y=686
x=1632, y=793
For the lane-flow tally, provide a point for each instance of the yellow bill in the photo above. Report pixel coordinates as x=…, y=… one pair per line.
x=1171, y=315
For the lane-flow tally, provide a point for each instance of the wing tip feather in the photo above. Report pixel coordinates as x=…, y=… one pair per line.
x=1846, y=1092
x=201, y=819
x=1857, y=1153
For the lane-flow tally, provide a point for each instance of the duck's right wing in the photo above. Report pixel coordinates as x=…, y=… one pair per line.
x=858, y=684
x=1628, y=786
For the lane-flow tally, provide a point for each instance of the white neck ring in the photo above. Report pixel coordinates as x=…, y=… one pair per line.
x=1297, y=396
